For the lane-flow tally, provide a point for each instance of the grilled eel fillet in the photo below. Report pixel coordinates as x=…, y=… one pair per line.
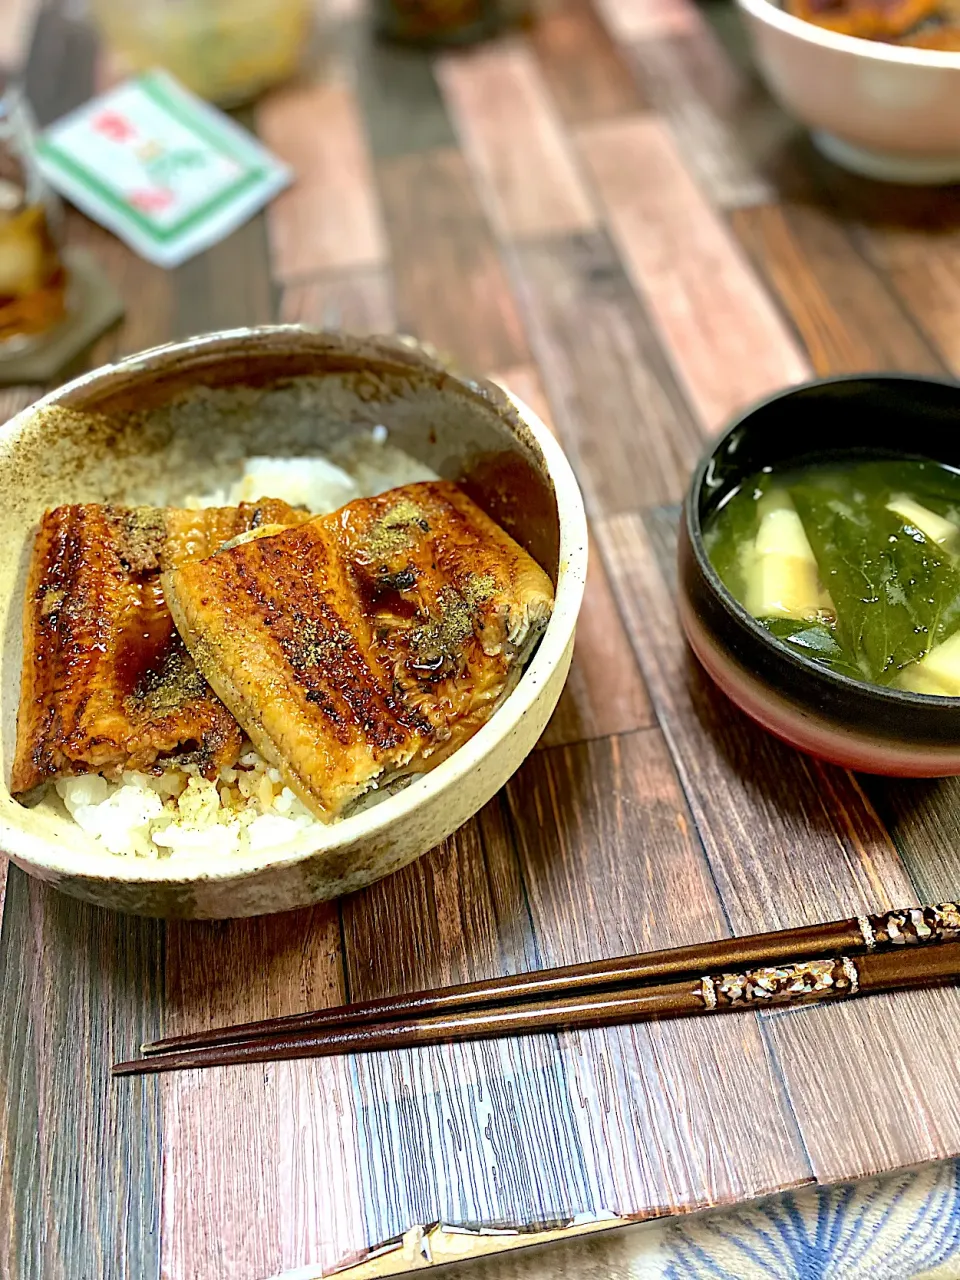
x=107, y=684
x=366, y=644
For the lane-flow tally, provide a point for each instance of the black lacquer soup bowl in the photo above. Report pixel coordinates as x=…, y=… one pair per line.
x=861, y=726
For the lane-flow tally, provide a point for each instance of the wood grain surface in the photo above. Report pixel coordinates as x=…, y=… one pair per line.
x=642, y=1091
x=16, y=28
x=79, y=1192
x=59, y=73
x=607, y=214
x=925, y=271
x=317, y=131
x=605, y=693
x=359, y=301
x=451, y=285
x=151, y=321
x=396, y=87
x=727, y=129
x=847, y=314
x=211, y=293
x=631, y=20
x=618, y=409
x=283, y=1201
x=586, y=72
x=725, y=337
x=513, y=141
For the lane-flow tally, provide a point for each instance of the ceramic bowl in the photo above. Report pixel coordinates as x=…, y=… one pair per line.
x=882, y=110
x=860, y=726
x=180, y=419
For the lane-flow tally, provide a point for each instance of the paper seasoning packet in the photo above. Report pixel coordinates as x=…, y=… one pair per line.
x=167, y=173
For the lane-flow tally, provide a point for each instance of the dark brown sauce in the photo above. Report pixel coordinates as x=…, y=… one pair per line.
x=383, y=593
x=145, y=646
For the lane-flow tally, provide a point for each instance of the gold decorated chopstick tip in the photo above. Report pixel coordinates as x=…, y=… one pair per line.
x=805, y=981
x=911, y=926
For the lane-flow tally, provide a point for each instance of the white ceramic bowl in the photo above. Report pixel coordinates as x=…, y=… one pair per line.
x=180, y=419
x=882, y=110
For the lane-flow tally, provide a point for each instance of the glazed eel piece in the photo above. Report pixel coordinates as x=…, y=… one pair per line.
x=107, y=684
x=368, y=644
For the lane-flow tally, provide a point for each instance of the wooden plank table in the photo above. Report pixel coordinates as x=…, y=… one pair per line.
x=609, y=215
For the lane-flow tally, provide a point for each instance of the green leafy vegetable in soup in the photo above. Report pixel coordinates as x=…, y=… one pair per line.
x=853, y=565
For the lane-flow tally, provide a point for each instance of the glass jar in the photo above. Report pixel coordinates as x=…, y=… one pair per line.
x=33, y=279
x=447, y=22
x=227, y=51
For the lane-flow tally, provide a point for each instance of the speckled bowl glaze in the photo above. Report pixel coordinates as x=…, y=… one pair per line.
x=180, y=419
x=860, y=726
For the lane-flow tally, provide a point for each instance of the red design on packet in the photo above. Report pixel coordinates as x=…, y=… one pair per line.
x=114, y=126
x=152, y=200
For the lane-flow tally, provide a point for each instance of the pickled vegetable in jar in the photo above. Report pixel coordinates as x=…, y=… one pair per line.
x=447, y=22
x=33, y=280
x=226, y=51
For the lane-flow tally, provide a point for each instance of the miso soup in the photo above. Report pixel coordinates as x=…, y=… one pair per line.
x=855, y=565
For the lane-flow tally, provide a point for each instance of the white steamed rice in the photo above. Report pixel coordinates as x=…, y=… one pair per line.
x=356, y=468
x=246, y=809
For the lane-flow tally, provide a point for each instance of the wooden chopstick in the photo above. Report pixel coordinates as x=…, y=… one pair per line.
x=906, y=927
x=833, y=978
